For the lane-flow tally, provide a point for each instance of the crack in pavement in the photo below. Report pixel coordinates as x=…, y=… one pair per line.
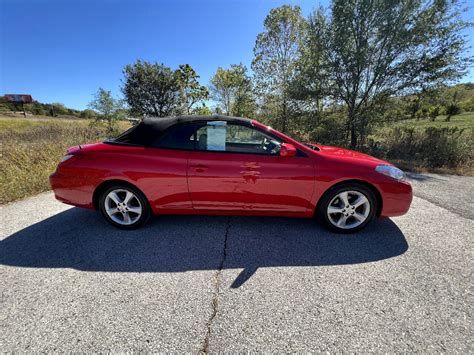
x=215, y=298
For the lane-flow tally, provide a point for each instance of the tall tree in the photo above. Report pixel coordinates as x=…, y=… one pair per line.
x=221, y=89
x=107, y=108
x=381, y=48
x=232, y=89
x=191, y=92
x=151, y=89
x=276, y=53
x=311, y=82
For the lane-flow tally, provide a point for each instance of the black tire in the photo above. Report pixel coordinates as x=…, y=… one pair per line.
x=322, y=213
x=143, y=203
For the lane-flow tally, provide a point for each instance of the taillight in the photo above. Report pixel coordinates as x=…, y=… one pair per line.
x=70, y=157
x=66, y=157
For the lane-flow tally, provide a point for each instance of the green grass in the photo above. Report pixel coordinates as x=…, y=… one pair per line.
x=463, y=120
x=30, y=149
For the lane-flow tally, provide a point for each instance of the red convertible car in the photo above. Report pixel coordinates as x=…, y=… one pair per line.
x=227, y=166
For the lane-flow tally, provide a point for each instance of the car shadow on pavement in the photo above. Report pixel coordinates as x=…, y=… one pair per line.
x=82, y=240
x=422, y=177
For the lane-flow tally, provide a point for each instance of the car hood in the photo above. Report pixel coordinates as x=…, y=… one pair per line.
x=343, y=153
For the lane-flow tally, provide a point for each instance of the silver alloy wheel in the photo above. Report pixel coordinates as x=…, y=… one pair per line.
x=348, y=209
x=123, y=206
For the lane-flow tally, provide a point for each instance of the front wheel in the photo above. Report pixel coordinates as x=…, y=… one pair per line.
x=347, y=208
x=124, y=207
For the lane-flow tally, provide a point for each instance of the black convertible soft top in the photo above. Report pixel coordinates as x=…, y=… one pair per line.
x=151, y=128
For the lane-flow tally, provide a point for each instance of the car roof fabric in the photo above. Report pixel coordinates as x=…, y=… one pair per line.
x=150, y=128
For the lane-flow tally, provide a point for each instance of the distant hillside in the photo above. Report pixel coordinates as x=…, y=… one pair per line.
x=446, y=101
x=463, y=94
x=470, y=93
x=37, y=108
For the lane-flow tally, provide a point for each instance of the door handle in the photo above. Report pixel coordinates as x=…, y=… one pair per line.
x=199, y=168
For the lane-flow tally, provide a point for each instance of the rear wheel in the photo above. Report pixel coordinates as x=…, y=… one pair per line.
x=124, y=207
x=348, y=208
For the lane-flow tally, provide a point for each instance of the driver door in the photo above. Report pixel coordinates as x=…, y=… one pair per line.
x=238, y=167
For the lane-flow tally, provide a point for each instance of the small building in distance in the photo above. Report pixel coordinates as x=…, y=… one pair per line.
x=19, y=99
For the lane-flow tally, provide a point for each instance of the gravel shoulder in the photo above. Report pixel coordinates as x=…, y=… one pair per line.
x=452, y=192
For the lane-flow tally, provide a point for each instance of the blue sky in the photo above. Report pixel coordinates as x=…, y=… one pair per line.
x=62, y=51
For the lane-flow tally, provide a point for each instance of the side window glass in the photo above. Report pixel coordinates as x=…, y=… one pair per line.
x=212, y=136
x=178, y=137
x=221, y=136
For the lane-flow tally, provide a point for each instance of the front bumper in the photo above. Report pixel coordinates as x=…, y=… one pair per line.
x=397, y=197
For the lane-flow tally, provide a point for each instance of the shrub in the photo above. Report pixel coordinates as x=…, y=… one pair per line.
x=453, y=109
x=88, y=113
x=433, y=112
x=432, y=147
x=328, y=130
x=468, y=106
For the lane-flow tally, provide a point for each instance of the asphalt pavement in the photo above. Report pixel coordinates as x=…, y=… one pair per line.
x=71, y=282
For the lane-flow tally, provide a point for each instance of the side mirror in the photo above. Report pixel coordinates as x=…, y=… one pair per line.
x=287, y=150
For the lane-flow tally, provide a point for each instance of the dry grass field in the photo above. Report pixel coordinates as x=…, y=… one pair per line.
x=30, y=149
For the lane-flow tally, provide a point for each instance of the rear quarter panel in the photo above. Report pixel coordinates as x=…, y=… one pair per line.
x=159, y=174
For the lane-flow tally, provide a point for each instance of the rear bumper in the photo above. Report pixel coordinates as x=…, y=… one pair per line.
x=71, y=190
x=397, y=197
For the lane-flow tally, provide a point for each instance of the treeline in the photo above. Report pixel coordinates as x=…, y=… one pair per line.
x=41, y=109
x=333, y=76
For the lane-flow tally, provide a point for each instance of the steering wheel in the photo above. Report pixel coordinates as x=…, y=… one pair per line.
x=268, y=146
x=263, y=145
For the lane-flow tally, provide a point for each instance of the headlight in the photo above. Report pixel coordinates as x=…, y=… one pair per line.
x=66, y=157
x=391, y=171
